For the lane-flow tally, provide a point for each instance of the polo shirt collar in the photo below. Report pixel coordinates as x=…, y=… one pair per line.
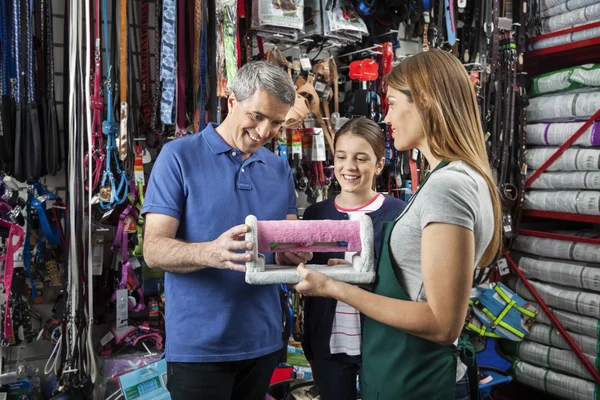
x=219, y=146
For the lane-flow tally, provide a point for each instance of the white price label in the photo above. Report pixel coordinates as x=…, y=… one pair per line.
x=503, y=267
x=318, y=145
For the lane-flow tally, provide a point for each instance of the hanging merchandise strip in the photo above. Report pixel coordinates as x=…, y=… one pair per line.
x=196, y=63
x=146, y=88
x=63, y=359
x=153, y=138
x=124, y=28
x=203, y=72
x=230, y=39
x=139, y=247
x=221, y=33
x=95, y=153
x=51, y=130
x=27, y=246
x=8, y=259
x=181, y=67
x=110, y=193
x=168, y=63
x=32, y=145
x=7, y=103
x=129, y=279
x=17, y=89
x=93, y=128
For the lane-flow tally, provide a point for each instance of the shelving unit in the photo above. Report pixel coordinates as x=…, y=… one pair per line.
x=537, y=62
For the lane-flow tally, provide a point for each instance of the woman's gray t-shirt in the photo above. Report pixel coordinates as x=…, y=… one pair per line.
x=456, y=194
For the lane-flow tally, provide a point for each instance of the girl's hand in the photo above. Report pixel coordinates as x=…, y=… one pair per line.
x=337, y=261
x=313, y=283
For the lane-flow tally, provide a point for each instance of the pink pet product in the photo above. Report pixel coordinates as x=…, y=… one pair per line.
x=354, y=235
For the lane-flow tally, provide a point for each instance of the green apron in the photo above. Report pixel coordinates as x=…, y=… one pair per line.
x=397, y=365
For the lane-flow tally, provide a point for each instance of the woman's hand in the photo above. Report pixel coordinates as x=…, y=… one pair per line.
x=314, y=283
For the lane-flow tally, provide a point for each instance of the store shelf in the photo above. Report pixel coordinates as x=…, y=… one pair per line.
x=562, y=56
x=562, y=216
x=560, y=236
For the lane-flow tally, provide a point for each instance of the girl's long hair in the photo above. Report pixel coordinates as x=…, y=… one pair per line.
x=445, y=98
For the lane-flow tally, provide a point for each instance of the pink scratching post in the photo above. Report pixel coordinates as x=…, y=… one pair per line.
x=315, y=236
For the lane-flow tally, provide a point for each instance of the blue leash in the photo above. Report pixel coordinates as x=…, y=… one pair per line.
x=36, y=198
x=118, y=194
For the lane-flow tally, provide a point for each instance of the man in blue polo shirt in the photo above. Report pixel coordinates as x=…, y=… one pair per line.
x=223, y=335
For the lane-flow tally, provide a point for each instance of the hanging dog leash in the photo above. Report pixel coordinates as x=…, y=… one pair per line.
x=32, y=145
x=96, y=151
x=111, y=194
x=52, y=154
x=19, y=98
x=7, y=101
x=168, y=62
x=123, y=144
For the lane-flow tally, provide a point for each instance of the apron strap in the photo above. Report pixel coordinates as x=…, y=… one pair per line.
x=468, y=356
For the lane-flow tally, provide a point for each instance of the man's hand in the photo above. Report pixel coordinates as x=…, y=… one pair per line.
x=314, y=283
x=221, y=251
x=293, y=258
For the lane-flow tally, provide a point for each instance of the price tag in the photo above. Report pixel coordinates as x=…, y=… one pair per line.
x=97, y=253
x=297, y=143
x=305, y=62
x=106, y=338
x=320, y=86
x=122, y=310
x=296, y=65
x=135, y=263
x=138, y=165
x=503, y=267
x=507, y=225
x=318, y=145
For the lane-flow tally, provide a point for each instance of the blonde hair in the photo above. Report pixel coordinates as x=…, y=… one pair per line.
x=440, y=87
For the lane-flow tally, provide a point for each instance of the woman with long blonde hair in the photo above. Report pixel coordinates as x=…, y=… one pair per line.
x=416, y=311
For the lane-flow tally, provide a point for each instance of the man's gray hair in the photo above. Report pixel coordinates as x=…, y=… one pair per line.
x=265, y=76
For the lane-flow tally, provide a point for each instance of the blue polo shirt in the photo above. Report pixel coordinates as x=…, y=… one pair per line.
x=214, y=315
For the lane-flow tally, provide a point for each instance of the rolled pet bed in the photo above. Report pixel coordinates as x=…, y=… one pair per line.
x=315, y=236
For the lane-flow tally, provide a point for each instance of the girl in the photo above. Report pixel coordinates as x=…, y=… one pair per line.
x=451, y=225
x=332, y=329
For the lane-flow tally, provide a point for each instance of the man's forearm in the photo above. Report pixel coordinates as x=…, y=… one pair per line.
x=176, y=256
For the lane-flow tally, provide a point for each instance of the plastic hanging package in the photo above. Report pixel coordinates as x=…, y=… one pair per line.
x=225, y=37
x=313, y=19
x=344, y=18
x=284, y=34
x=343, y=23
x=281, y=13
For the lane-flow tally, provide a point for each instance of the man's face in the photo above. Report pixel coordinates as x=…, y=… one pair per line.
x=254, y=121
